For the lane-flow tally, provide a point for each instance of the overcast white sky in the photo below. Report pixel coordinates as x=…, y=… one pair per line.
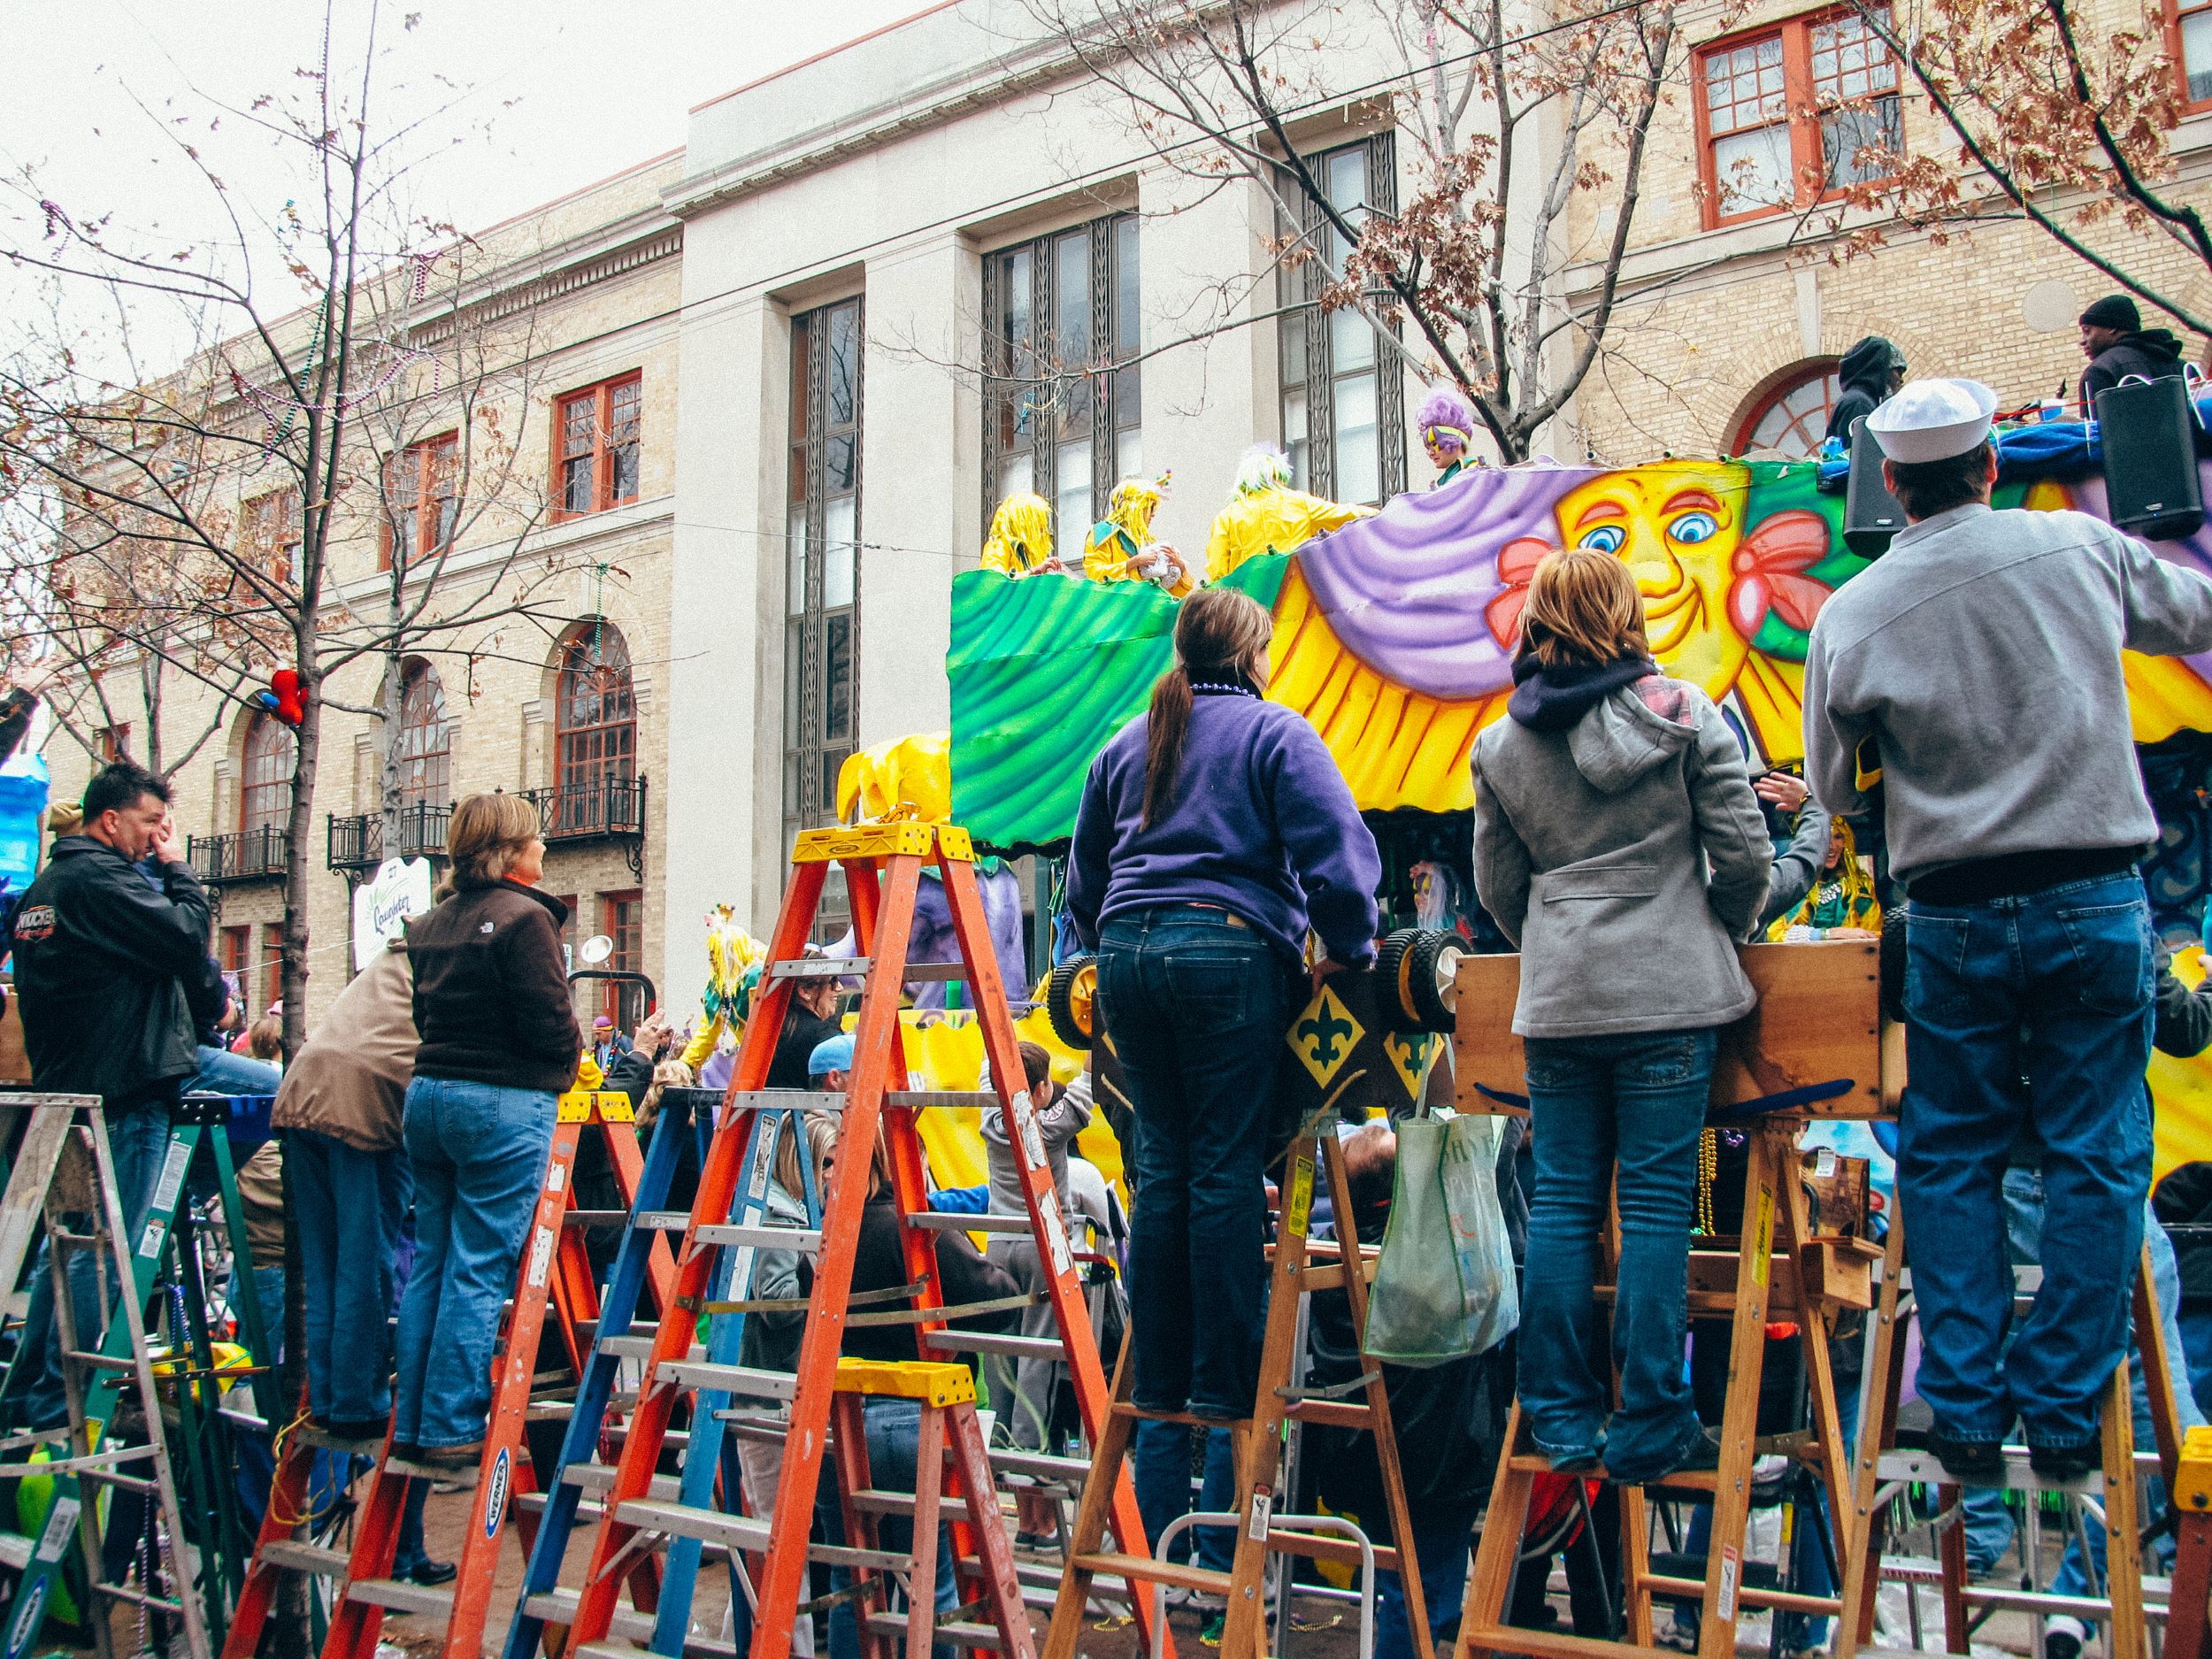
x=553, y=94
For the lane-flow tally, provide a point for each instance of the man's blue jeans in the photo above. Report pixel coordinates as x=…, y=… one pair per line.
x=1441, y=1540
x=479, y=1153
x=894, y=1444
x=138, y=1140
x=223, y=1072
x=1638, y=1098
x=1196, y=1003
x=350, y=1207
x=2057, y=985
x=1162, y=1483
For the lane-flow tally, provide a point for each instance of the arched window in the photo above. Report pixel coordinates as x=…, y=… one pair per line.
x=1791, y=417
x=594, y=711
x=265, y=798
x=426, y=738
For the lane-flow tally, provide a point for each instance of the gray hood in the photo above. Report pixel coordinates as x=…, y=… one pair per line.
x=1622, y=738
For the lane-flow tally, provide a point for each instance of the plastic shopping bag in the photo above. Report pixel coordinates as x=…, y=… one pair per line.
x=1444, y=1288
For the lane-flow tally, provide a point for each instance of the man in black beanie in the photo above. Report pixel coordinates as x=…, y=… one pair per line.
x=2115, y=342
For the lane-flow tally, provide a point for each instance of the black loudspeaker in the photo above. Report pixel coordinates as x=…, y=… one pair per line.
x=2150, y=458
x=1872, y=515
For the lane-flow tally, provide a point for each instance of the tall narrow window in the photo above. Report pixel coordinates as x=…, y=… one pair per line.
x=272, y=964
x=1062, y=393
x=1343, y=389
x=594, y=724
x=420, y=500
x=237, y=947
x=622, y=918
x=597, y=430
x=271, y=527
x=426, y=738
x=821, y=712
x=265, y=798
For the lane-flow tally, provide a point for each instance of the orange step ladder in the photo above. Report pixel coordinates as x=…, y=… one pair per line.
x=554, y=1268
x=882, y=865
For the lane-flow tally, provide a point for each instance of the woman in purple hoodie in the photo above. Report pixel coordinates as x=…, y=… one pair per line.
x=1213, y=833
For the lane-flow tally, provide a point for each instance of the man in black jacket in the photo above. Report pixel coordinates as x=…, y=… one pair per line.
x=2115, y=342
x=100, y=963
x=1869, y=372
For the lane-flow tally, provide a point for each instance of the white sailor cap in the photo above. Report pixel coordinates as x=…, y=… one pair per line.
x=1931, y=420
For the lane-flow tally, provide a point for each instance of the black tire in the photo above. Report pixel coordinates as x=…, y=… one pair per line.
x=1415, y=969
x=1071, y=999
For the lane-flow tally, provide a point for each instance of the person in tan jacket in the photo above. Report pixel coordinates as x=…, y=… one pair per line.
x=339, y=1110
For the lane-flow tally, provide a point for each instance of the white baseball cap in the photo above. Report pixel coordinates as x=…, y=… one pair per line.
x=1933, y=421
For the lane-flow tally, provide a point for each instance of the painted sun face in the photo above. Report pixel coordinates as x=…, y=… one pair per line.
x=1676, y=528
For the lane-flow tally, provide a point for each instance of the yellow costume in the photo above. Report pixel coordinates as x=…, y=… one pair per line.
x=1118, y=541
x=1021, y=536
x=1267, y=516
x=916, y=771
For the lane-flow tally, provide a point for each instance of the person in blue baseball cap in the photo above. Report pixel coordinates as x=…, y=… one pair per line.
x=830, y=1066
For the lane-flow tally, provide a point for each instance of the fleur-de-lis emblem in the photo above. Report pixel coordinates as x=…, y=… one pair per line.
x=1325, y=1035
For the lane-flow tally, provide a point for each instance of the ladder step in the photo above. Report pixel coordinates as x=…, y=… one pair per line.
x=463, y=1475
x=1685, y=1481
x=558, y=1606
x=882, y=1502
x=398, y=1597
x=788, y=1100
x=879, y=1560
x=15, y=1551
x=600, y=1478
x=957, y=1635
x=1152, y=1571
x=923, y=1099
x=1071, y=1471
x=595, y=1217
x=297, y=1557
x=711, y=1526
x=634, y=1347
x=736, y=1379
x=991, y=1342
x=806, y=1240
x=1130, y=1409
x=823, y=968
x=946, y=1221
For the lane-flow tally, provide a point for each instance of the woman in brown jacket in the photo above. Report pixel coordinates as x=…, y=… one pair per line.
x=499, y=1042
x=338, y=1111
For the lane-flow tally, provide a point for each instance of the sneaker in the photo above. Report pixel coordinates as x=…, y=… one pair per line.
x=2062, y=1637
x=430, y=1572
x=2065, y=1463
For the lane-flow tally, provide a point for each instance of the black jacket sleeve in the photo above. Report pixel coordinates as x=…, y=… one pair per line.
x=2182, y=1025
x=164, y=931
x=633, y=1075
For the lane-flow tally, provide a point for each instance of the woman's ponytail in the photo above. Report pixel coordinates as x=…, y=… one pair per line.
x=1167, y=727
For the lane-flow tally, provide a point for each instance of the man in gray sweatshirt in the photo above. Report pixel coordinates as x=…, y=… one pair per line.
x=1977, y=668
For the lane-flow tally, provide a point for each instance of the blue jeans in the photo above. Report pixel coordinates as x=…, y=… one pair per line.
x=350, y=1208
x=137, y=1142
x=1441, y=1541
x=1196, y=1004
x=2056, y=984
x=895, y=1442
x=223, y=1072
x=1638, y=1098
x=479, y=1153
x=1162, y=1483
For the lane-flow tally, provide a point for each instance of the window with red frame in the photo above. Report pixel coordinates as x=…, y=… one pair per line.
x=420, y=502
x=622, y=918
x=597, y=431
x=112, y=743
x=264, y=801
x=1793, y=418
x=237, y=950
x=272, y=964
x=594, y=718
x=2192, y=50
x=270, y=528
x=1784, y=116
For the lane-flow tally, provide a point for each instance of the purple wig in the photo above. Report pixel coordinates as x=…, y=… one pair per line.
x=1445, y=407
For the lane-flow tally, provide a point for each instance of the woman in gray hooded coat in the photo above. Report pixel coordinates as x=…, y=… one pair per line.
x=1618, y=842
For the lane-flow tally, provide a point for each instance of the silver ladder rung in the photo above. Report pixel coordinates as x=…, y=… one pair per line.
x=1071, y=1471
x=805, y=1240
x=600, y=1478
x=842, y=1556
x=957, y=1635
x=737, y=1379
x=710, y=1526
x=991, y=1342
x=558, y=1606
x=946, y=1221
x=821, y=968
x=634, y=1347
x=921, y=1098
x=788, y=1100
x=139, y=1598
x=397, y=1595
x=295, y=1557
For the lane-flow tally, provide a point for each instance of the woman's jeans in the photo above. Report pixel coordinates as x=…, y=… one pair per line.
x=1638, y=1098
x=2057, y=985
x=350, y=1208
x=479, y=1153
x=1196, y=1003
x=894, y=1444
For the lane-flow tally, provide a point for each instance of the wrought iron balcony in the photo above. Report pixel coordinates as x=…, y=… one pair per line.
x=606, y=809
x=356, y=842
x=255, y=854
